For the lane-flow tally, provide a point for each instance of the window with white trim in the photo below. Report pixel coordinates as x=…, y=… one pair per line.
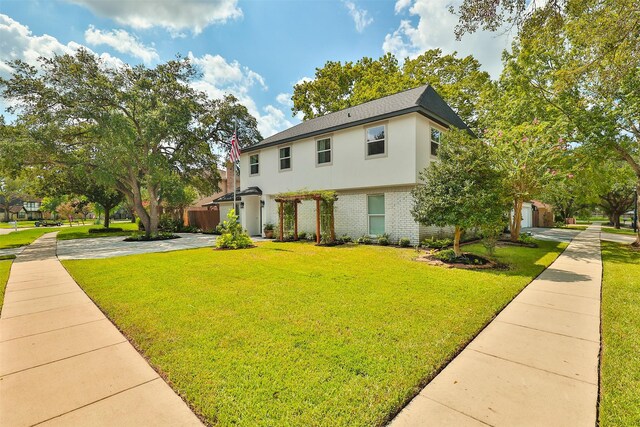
x=285, y=158
x=323, y=148
x=435, y=141
x=376, y=142
x=254, y=164
x=375, y=211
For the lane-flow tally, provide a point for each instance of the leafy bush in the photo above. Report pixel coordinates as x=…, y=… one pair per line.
x=140, y=224
x=447, y=255
x=302, y=235
x=434, y=243
x=345, y=239
x=404, y=242
x=311, y=237
x=364, y=240
x=233, y=237
x=383, y=240
x=527, y=238
x=105, y=230
x=269, y=227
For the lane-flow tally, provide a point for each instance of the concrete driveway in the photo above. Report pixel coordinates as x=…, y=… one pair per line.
x=108, y=247
x=552, y=234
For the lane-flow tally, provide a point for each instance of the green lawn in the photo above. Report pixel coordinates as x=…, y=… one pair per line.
x=296, y=334
x=21, y=224
x=620, y=363
x=82, y=231
x=5, y=267
x=628, y=231
x=16, y=239
x=574, y=227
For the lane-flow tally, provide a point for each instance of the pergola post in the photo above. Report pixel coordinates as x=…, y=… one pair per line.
x=281, y=221
x=332, y=222
x=317, y=220
x=295, y=219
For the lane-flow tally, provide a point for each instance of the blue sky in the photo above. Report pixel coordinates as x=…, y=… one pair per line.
x=256, y=49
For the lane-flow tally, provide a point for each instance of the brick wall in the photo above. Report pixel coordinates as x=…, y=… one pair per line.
x=351, y=216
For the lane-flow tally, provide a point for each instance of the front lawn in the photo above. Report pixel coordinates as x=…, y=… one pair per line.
x=82, y=231
x=627, y=231
x=620, y=364
x=21, y=224
x=296, y=334
x=5, y=267
x=16, y=239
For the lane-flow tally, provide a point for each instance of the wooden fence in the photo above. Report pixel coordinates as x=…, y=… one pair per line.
x=204, y=219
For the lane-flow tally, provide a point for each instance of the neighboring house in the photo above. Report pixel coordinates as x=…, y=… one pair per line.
x=21, y=210
x=203, y=213
x=370, y=154
x=536, y=214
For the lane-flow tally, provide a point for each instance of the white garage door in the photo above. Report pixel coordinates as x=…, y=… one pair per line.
x=527, y=216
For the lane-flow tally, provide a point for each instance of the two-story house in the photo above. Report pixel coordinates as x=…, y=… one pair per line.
x=370, y=154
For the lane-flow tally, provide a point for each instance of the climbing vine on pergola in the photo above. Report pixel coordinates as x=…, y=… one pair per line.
x=325, y=219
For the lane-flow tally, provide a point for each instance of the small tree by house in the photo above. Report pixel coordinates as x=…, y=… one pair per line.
x=67, y=211
x=463, y=189
x=528, y=156
x=233, y=236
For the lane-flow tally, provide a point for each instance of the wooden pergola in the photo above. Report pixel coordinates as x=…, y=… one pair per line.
x=296, y=198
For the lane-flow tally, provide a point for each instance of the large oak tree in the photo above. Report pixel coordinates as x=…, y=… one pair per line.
x=133, y=127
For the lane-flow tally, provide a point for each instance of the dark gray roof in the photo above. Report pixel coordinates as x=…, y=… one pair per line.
x=422, y=99
x=249, y=191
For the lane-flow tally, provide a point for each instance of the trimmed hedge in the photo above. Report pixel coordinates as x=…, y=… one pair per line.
x=105, y=230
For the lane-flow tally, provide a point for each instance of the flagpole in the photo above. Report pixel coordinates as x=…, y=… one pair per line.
x=234, y=178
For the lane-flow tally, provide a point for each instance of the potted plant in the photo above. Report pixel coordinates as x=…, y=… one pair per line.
x=268, y=231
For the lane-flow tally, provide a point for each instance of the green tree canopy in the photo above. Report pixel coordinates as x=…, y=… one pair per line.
x=464, y=188
x=131, y=126
x=336, y=86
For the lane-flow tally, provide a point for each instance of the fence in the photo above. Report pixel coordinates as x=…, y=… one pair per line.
x=203, y=219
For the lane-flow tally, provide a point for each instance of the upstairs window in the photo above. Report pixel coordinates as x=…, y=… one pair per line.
x=435, y=141
x=254, y=164
x=285, y=158
x=323, y=147
x=376, y=140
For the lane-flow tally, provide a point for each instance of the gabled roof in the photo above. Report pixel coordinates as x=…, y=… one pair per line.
x=249, y=191
x=422, y=99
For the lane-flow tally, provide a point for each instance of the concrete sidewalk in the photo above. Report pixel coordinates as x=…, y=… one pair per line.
x=536, y=364
x=63, y=363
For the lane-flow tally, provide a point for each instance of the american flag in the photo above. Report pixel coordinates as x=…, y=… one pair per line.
x=234, y=154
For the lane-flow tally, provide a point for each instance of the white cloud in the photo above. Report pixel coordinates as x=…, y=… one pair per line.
x=220, y=77
x=18, y=42
x=285, y=99
x=360, y=16
x=121, y=41
x=174, y=15
x=401, y=5
x=434, y=29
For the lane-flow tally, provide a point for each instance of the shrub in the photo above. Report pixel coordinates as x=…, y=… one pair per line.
x=140, y=224
x=383, y=240
x=345, y=239
x=364, y=240
x=233, y=237
x=437, y=243
x=105, y=230
x=448, y=255
x=311, y=237
x=527, y=239
x=302, y=235
x=269, y=227
x=404, y=242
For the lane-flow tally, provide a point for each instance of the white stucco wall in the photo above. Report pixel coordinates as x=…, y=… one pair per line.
x=349, y=168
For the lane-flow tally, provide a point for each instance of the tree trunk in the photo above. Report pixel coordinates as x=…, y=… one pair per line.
x=107, y=220
x=456, y=241
x=637, y=242
x=153, y=212
x=516, y=220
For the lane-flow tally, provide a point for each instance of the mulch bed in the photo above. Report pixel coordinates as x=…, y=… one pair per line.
x=504, y=242
x=487, y=264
